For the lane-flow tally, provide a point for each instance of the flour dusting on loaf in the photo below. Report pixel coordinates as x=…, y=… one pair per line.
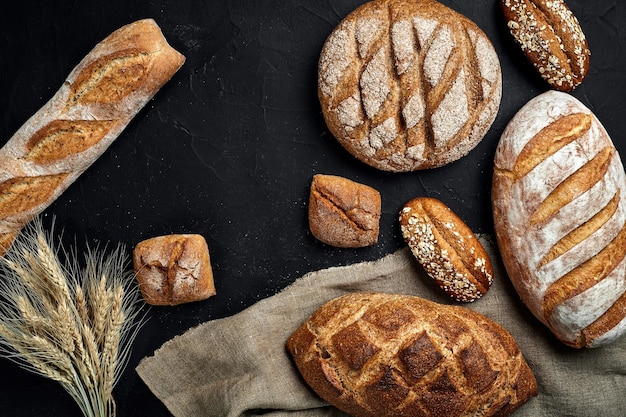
x=559, y=199
x=408, y=85
x=100, y=96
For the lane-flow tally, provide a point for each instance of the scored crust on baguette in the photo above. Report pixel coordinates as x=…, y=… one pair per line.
x=561, y=221
x=551, y=38
x=407, y=85
x=100, y=96
x=390, y=355
x=446, y=248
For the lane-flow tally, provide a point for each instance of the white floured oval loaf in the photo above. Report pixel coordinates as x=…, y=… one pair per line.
x=559, y=201
x=407, y=85
x=100, y=96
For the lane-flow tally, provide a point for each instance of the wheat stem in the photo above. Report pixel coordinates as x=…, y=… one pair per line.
x=71, y=324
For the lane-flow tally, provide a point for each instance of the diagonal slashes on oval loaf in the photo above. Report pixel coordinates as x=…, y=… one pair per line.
x=560, y=219
x=408, y=85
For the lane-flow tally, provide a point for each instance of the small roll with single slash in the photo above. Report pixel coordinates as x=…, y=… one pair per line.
x=101, y=95
x=446, y=248
x=343, y=213
x=559, y=207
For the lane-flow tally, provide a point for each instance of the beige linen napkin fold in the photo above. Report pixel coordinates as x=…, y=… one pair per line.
x=238, y=366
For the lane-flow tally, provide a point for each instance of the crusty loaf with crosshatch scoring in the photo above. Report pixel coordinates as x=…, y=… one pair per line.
x=391, y=355
x=59, y=142
x=559, y=207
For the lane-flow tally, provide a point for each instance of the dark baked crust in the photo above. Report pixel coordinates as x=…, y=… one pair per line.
x=374, y=354
x=407, y=85
x=447, y=248
x=342, y=212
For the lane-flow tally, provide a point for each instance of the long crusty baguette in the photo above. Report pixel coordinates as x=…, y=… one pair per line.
x=389, y=355
x=407, y=85
x=559, y=200
x=96, y=102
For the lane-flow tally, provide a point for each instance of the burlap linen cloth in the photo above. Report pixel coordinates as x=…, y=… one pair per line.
x=238, y=366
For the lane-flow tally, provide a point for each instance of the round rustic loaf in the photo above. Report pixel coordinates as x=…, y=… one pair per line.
x=390, y=355
x=559, y=204
x=407, y=85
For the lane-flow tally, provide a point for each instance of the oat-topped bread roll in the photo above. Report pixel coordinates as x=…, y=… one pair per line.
x=388, y=355
x=408, y=84
x=446, y=248
x=551, y=38
x=92, y=107
x=559, y=202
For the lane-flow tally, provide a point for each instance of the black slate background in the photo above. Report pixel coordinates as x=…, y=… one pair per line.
x=228, y=147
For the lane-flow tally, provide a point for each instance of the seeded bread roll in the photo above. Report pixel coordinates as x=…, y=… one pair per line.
x=343, y=213
x=407, y=85
x=551, y=38
x=559, y=203
x=96, y=102
x=447, y=248
x=387, y=355
x=173, y=269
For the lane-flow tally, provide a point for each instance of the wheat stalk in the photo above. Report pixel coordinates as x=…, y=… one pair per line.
x=72, y=321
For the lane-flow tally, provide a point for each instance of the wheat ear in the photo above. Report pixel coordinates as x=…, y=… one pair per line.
x=73, y=320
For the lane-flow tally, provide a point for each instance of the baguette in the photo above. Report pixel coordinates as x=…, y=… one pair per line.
x=109, y=86
x=407, y=85
x=390, y=355
x=559, y=207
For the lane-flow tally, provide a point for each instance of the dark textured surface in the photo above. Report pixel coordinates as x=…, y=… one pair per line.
x=228, y=148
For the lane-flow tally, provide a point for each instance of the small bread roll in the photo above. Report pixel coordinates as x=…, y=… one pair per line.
x=343, y=213
x=174, y=269
x=447, y=248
